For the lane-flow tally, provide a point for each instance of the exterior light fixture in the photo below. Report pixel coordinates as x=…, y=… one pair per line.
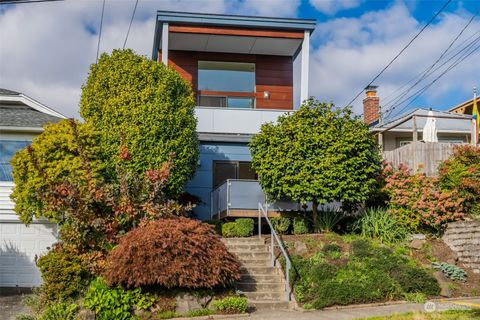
x=266, y=95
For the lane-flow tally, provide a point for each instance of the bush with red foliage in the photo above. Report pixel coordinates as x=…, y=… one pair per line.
x=172, y=253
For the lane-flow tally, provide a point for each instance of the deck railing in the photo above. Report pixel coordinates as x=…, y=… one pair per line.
x=242, y=194
x=275, y=242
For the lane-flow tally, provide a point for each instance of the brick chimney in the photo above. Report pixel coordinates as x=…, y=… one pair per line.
x=371, y=105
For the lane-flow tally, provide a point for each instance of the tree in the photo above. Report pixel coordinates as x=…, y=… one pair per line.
x=136, y=102
x=319, y=153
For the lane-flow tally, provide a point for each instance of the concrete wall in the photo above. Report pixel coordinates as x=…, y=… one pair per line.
x=391, y=140
x=201, y=184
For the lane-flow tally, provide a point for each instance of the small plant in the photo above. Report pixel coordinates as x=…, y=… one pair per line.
x=452, y=287
x=200, y=313
x=450, y=271
x=25, y=317
x=416, y=297
x=281, y=224
x=231, y=305
x=300, y=225
x=167, y=315
x=59, y=311
x=327, y=220
x=378, y=223
x=242, y=227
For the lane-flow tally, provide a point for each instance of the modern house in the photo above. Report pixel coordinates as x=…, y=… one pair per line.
x=21, y=119
x=465, y=107
x=402, y=139
x=245, y=71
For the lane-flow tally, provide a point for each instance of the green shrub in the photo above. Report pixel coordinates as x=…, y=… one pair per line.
x=137, y=102
x=231, y=305
x=217, y=225
x=416, y=297
x=200, y=313
x=300, y=226
x=331, y=247
x=25, y=317
x=245, y=227
x=167, y=315
x=361, y=248
x=115, y=303
x=242, y=227
x=280, y=224
x=59, y=311
x=63, y=274
x=378, y=223
x=328, y=219
x=416, y=280
x=451, y=271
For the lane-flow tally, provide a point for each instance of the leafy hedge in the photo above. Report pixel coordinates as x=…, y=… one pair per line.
x=242, y=227
x=281, y=224
x=369, y=274
x=176, y=252
x=231, y=305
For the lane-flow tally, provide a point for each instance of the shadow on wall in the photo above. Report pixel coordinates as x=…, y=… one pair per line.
x=18, y=271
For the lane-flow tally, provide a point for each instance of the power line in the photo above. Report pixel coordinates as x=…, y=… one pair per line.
x=130, y=25
x=100, y=32
x=401, y=51
x=426, y=72
x=425, y=88
x=25, y=1
x=463, y=51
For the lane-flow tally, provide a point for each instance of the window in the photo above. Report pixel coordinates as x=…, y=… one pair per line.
x=224, y=170
x=7, y=149
x=230, y=84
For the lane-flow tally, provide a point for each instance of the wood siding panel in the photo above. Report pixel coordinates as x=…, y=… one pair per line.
x=272, y=73
x=238, y=32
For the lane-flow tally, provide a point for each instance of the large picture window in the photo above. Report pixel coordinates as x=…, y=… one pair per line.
x=7, y=149
x=226, y=84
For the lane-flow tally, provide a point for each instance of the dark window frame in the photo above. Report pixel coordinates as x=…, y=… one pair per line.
x=237, y=170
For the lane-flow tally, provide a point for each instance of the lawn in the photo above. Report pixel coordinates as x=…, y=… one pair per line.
x=447, y=315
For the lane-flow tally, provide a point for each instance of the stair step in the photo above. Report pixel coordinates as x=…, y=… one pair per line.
x=243, y=241
x=247, y=255
x=248, y=247
x=266, y=296
x=269, y=305
x=258, y=270
x=262, y=278
x=260, y=286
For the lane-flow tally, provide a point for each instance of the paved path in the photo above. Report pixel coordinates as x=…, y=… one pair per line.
x=361, y=312
x=11, y=306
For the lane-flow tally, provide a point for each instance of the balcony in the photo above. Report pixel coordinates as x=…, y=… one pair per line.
x=240, y=198
x=234, y=121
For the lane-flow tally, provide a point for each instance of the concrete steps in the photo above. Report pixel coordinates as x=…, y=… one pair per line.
x=262, y=284
x=464, y=239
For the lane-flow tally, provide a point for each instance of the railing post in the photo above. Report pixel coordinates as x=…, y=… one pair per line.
x=259, y=222
x=272, y=246
x=288, y=265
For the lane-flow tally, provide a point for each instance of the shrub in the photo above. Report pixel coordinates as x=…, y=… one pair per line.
x=331, y=247
x=231, y=305
x=149, y=108
x=417, y=200
x=416, y=280
x=361, y=248
x=63, y=274
x=200, y=313
x=378, y=223
x=59, y=311
x=300, y=226
x=328, y=219
x=217, y=225
x=175, y=252
x=451, y=271
x=242, y=227
x=280, y=224
x=115, y=303
x=461, y=172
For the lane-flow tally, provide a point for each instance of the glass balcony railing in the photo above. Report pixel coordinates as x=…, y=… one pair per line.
x=237, y=194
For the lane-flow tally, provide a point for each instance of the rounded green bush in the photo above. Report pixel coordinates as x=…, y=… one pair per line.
x=229, y=230
x=245, y=227
x=413, y=279
x=300, y=226
x=231, y=305
x=139, y=103
x=281, y=224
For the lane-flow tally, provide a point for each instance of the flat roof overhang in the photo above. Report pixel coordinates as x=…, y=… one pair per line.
x=231, y=34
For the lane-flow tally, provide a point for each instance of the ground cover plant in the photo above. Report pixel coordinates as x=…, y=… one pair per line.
x=445, y=315
x=379, y=223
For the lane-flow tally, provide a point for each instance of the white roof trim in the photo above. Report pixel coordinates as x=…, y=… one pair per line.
x=34, y=104
x=21, y=129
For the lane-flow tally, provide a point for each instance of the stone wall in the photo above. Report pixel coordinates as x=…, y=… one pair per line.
x=464, y=239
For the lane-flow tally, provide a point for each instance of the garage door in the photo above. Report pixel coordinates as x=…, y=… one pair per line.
x=20, y=246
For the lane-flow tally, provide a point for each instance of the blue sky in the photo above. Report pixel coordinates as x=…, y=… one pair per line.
x=46, y=48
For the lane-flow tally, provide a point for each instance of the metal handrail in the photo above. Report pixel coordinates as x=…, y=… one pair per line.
x=274, y=237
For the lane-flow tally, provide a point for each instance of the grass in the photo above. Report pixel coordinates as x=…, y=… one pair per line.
x=447, y=315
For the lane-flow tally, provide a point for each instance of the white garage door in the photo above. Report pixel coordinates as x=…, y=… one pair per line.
x=19, y=247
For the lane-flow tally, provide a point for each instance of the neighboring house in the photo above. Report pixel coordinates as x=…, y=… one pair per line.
x=242, y=72
x=401, y=139
x=21, y=119
x=451, y=127
x=465, y=107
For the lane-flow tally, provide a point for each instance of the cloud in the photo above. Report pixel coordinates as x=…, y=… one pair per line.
x=330, y=7
x=351, y=51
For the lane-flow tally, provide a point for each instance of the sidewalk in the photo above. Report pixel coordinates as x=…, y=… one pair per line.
x=362, y=312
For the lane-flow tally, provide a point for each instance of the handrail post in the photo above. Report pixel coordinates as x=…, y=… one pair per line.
x=259, y=222
x=288, y=265
x=272, y=253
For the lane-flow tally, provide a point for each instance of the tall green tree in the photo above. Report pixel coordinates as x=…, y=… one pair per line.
x=320, y=153
x=149, y=108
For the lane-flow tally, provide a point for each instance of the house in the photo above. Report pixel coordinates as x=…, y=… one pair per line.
x=244, y=71
x=21, y=119
x=465, y=107
x=401, y=139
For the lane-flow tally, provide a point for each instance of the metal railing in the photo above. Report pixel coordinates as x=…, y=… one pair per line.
x=262, y=213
